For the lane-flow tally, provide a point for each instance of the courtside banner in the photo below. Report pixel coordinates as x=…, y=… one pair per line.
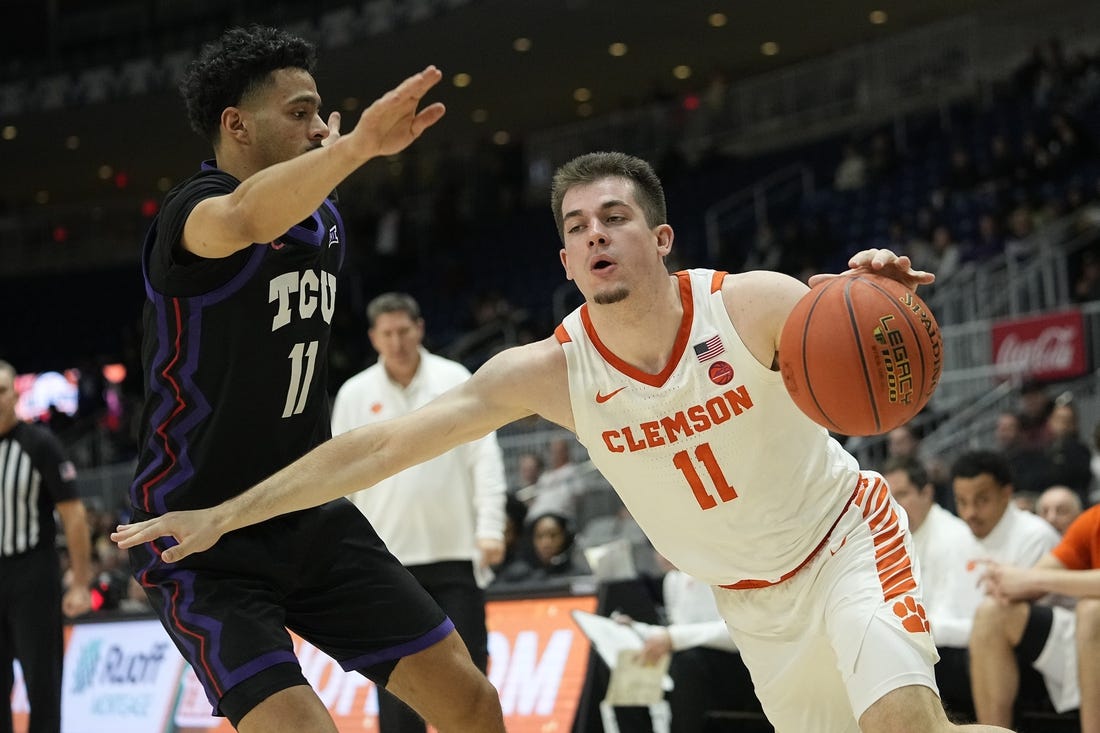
x=127, y=677
x=1050, y=346
x=120, y=676
x=538, y=660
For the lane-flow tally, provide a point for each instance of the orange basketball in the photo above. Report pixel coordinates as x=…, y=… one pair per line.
x=861, y=354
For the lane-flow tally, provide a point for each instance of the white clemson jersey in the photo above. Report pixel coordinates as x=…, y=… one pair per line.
x=728, y=478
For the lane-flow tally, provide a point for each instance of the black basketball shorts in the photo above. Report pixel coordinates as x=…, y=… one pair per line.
x=323, y=573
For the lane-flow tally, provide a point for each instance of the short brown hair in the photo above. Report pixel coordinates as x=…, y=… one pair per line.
x=593, y=167
x=392, y=303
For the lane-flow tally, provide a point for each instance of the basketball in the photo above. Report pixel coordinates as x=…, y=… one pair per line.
x=861, y=354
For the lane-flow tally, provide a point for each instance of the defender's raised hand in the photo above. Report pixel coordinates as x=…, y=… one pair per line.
x=391, y=123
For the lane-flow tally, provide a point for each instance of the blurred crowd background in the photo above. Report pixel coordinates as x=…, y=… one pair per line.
x=962, y=133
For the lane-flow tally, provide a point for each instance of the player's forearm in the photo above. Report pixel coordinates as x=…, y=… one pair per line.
x=274, y=199
x=336, y=468
x=1073, y=583
x=79, y=542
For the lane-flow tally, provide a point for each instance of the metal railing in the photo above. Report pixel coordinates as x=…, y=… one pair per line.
x=752, y=203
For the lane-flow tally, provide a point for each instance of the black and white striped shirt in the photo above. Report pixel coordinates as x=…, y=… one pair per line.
x=34, y=477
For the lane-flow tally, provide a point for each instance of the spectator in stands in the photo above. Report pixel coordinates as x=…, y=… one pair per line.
x=851, y=173
x=1086, y=286
x=1034, y=406
x=621, y=525
x=905, y=442
x=550, y=551
x=988, y=242
x=1069, y=457
x=1002, y=166
x=883, y=160
x=1025, y=500
x=961, y=175
x=706, y=670
x=766, y=252
x=1021, y=227
x=1028, y=464
x=1059, y=505
x=1015, y=634
x=1094, y=465
x=946, y=549
x=560, y=486
x=946, y=254
x=530, y=466
x=1068, y=143
x=515, y=514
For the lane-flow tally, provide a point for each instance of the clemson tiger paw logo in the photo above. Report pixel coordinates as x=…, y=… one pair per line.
x=912, y=615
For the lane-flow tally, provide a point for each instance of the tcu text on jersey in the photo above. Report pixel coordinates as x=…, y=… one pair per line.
x=312, y=288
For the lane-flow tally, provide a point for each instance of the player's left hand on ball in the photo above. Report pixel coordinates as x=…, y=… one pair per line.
x=194, y=531
x=882, y=262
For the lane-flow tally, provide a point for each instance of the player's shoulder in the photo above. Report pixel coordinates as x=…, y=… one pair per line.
x=760, y=281
x=525, y=372
x=1035, y=527
x=358, y=382
x=208, y=181
x=34, y=437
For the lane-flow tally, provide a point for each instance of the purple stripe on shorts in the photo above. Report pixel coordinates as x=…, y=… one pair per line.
x=401, y=650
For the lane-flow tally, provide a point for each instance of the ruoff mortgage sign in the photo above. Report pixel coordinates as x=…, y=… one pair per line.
x=119, y=677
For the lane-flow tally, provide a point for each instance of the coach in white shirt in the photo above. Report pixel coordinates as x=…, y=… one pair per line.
x=444, y=519
x=946, y=550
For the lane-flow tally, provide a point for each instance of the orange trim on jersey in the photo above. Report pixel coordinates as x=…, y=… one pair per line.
x=716, y=281
x=895, y=566
x=653, y=380
x=754, y=584
x=561, y=334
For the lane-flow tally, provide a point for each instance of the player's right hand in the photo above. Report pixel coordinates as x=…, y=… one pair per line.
x=391, y=123
x=194, y=531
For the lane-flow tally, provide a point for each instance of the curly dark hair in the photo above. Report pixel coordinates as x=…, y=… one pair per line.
x=234, y=66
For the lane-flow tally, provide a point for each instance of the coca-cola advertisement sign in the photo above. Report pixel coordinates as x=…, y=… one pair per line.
x=1050, y=346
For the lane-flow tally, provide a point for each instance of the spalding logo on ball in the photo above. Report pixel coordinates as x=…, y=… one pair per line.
x=861, y=354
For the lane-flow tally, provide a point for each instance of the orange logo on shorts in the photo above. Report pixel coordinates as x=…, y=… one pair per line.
x=912, y=615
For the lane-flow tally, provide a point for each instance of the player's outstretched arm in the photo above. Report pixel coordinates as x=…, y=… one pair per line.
x=882, y=262
x=511, y=385
x=274, y=199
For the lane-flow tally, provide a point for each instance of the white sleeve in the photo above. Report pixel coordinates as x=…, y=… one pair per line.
x=487, y=468
x=343, y=414
x=713, y=634
x=957, y=597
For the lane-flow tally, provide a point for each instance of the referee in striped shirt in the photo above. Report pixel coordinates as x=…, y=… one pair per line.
x=36, y=479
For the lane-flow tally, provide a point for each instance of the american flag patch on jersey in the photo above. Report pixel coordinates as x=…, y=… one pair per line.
x=67, y=471
x=709, y=349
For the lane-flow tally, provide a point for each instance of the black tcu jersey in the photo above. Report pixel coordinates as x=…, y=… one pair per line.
x=234, y=354
x=34, y=477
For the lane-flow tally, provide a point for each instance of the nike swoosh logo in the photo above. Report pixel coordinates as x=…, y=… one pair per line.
x=602, y=398
x=843, y=542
